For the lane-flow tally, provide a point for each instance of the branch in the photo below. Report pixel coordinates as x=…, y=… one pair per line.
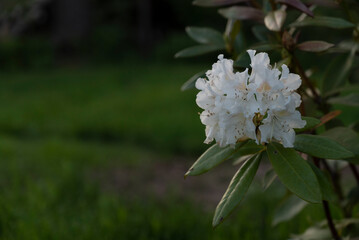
x=328, y=215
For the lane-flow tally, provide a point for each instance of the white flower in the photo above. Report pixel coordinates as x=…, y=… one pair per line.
x=260, y=105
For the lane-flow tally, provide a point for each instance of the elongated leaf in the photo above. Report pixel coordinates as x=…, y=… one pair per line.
x=314, y=46
x=247, y=151
x=294, y=172
x=321, y=147
x=346, y=137
x=349, y=100
x=242, y=159
x=311, y=123
x=216, y=3
x=269, y=178
x=326, y=187
x=345, y=89
x=211, y=158
x=298, y=5
x=205, y=35
x=261, y=32
x=330, y=22
x=243, y=60
x=198, y=50
x=265, y=47
x=338, y=71
x=190, y=83
x=242, y=13
x=250, y=147
x=323, y=3
x=236, y=189
x=288, y=209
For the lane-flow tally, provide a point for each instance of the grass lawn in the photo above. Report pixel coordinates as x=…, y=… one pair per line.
x=99, y=153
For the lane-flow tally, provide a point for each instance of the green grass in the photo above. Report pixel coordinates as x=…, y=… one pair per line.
x=67, y=136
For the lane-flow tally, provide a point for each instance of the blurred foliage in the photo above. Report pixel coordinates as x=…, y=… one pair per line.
x=78, y=147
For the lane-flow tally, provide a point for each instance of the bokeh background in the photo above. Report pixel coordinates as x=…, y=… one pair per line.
x=95, y=134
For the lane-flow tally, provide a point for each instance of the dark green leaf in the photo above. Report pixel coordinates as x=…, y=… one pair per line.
x=261, y=32
x=242, y=13
x=346, y=89
x=311, y=123
x=352, y=198
x=205, y=35
x=216, y=3
x=321, y=147
x=265, y=47
x=330, y=22
x=298, y=5
x=247, y=151
x=294, y=172
x=198, y=50
x=349, y=100
x=338, y=71
x=212, y=157
x=323, y=3
x=346, y=137
x=251, y=147
x=326, y=187
x=236, y=189
x=192, y=81
x=242, y=159
x=314, y=46
x=288, y=209
x=269, y=178
x=243, y=61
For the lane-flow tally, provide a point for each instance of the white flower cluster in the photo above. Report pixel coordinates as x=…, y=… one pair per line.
x=259, y=105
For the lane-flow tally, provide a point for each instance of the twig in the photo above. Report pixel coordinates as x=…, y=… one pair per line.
x=331, y=226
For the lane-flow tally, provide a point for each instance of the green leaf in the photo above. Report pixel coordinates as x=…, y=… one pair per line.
x=311, y=123
x=250, y=147
x=288, y=209
x=348, y=100
x=190, y=83
x=330, y=22
x=265, y=47
x=205, y=35
x=269, y=178
x=198, y=50
x=346, y=137
x=294, y=172
x=242, y=13
x=216, y=3
x=314, y=46
x=212, y=157
x=243, y=61
x=261, y=32
x=321, y=147
x=326, y=187
x=338, y=71
x=247, y=151
x=236, y=189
